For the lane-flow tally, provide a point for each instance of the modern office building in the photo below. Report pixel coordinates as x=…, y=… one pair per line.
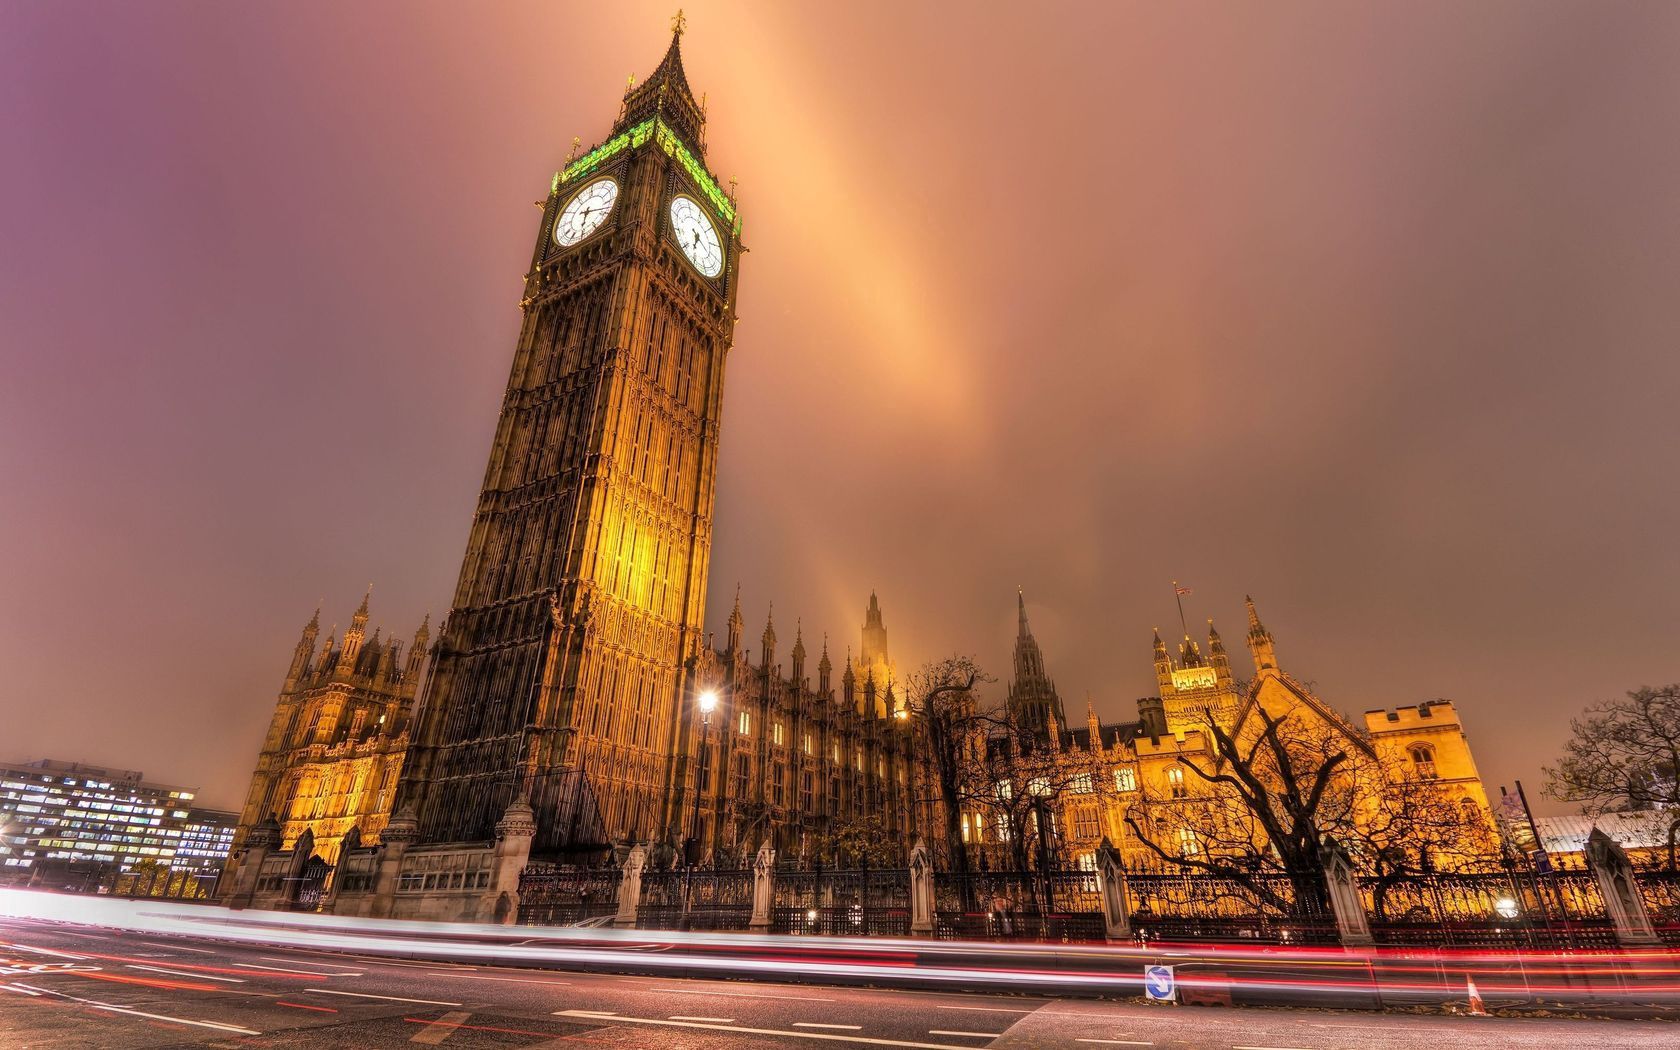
x=69, y=817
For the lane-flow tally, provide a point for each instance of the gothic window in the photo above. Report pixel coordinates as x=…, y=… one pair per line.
x=1003, y=827
x=807, y=743
x=1005, y=790
x=1086, y=861
x=1175, y=782
x=1187, y=844
x=1125, y=779
x=1039, y=786
x=1085, y=822
x=806, y=783
x=778, y=780
x=740, y=776
x=1082, y=784
x=745, y=723
x=776, y=733
x=1423, y=760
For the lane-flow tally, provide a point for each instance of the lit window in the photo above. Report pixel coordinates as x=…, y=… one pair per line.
x=1039, y=786
x=1187, y=844
x=1082, y=784
x=1005, y=790
x=1175, y=782
x=776, y=733
x=745, y=723
x=1125, y=779
x=1423, y=759
x=807, y=743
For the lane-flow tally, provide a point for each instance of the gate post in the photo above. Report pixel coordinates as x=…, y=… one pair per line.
x=1111, y=885
x=764, y=887
x=399, y=833
x=1353, y=929
x=514, y=833
x=1620, y=889
x=921, y=890
x=630, y=888
x=259, y=843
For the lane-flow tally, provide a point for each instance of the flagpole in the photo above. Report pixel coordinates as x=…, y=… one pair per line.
x=1178, y=596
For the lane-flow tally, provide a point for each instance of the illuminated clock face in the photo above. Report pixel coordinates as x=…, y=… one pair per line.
x=585, y=213
x=696, y=236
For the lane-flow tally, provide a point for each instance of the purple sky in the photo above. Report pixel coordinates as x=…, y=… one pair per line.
x=1369, y=313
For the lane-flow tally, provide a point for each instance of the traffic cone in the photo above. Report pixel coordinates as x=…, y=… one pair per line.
x=1476, y=1007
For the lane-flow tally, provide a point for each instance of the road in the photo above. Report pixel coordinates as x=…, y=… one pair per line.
x=70, y=986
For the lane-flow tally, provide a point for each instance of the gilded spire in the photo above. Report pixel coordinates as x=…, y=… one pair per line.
x=1021, y=630
x=1259, y=640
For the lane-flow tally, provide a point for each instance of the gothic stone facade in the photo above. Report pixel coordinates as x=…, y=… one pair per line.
x=334, y=748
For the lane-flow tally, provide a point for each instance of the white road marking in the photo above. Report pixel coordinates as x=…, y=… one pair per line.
x=282, y=969
x=179, y=947
x=1270, y=1048
x=987, y=1009
x=184, y=973
x=715, y=1020
x=1117, y=1042
x=740, y=995
x=813, y=1024
x=270, y=958
x=514, y=980
x=589, y=1015
x=442, y=1028
x=15, y=988
x=48, y=951
x=369, y=995
x=141, y=1013
x=976, y=1035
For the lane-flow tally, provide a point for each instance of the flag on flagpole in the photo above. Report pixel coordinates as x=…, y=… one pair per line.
x=1181, y=591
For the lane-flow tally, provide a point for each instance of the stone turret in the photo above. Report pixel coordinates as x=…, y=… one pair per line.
x=1260, y=640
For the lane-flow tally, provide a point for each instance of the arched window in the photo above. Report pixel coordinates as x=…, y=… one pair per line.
x=1423, y=760
x=1175, y=782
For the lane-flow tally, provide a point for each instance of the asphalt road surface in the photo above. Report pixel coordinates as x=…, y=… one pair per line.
x=73, y=986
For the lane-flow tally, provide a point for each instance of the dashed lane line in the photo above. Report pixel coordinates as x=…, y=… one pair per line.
x=184, y=973
x=510, y=980
x=282, y=969
x=987, y=1009
x=740, y=995
x=179, y=947
x=841, y=1027
x=714, y=1020
x=113, y=1008
x=270, y=958
x=593, y=1015
x=389, y=998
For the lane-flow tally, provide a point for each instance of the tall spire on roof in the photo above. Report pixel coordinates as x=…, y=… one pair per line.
x=1259, y=640
x=665, y=94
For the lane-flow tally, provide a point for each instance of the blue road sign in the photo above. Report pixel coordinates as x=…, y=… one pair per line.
x=1159, y=985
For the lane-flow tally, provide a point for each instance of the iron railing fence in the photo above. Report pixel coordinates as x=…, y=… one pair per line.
x=861, y=902
x=1661, y=890
x=704, y=899
x=1018, y=905
x=555, y=896
x=1195, y=906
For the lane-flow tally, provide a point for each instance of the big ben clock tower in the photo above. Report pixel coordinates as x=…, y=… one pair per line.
x=559, y=675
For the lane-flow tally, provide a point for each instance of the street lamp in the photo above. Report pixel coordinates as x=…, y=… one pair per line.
x=708, y=701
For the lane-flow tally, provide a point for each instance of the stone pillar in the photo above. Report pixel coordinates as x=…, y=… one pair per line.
x=921, y=891
x=262, y=840
x=630, y=888
x=1620, y=889
x=764, y=887
x=1353, y=929
x=514, y=833
x=1111, y=886
x=399, y=834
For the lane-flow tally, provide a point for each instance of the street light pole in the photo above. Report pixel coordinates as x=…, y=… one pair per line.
x=707, y=700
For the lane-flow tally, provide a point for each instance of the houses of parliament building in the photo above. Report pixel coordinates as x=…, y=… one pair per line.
x=556, y=711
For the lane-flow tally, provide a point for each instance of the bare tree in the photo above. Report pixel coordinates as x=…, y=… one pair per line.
x=1260, y=804
x=941, y=696
x=1625, y=755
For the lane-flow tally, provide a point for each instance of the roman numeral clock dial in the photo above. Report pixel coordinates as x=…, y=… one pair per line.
x=696, y=236
x=585, y=213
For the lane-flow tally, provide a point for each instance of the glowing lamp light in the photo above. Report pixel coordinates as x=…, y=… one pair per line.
x=709, y=701
x=1507, y=908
